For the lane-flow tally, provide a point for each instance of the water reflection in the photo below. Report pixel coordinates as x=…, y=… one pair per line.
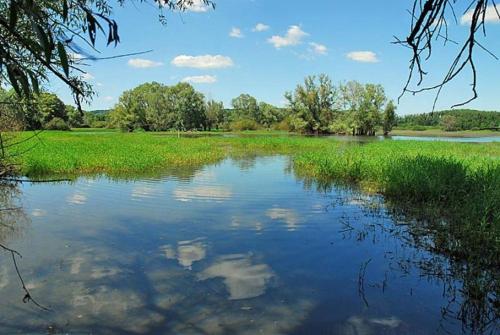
x=242, y=278
x=187, y=252
x=214, y=253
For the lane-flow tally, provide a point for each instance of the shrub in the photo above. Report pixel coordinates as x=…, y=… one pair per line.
x=244, y=124
x=99, y=124
x=57, y=124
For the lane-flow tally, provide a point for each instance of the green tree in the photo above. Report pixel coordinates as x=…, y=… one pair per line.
x=449, y=123
x=270, y=114
x=312, y=104
x=49, y=106
x=215, y=115
x=246, y=107
x=389, y=117
x=75, y=118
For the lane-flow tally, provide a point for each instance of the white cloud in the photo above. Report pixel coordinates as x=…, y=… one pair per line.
x=491, y=15
x=236, y=33
x=203, y=62
x=87, y=76
x=319, y=49
x=205, y=79
x=198, y=6
x=109, y=98
x=260, y=27
x=143, y=63
x=293, y=36
x=363, y=56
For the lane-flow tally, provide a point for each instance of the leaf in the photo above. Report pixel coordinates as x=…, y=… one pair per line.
x=13, y=14
x=34, y=82
x=44, y=41
x=63, y=56
x=13, y=80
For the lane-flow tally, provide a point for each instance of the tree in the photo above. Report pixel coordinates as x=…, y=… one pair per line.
x=449, y=123
x=270, y=114
x=389, y=117
x=37, y=39
x=364, y=104
x=156, y=107
x=215, y=117
x=49, y=106
x=246, y=107
x=312, y=104
x=75, y=118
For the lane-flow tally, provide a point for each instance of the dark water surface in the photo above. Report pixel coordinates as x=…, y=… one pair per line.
x=242, y=247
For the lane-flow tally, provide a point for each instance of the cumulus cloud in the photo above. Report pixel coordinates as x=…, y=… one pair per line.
x=203, y=62
x=236, y=33
x=259, y=27
x=293, y=36
x=491, y=15
x=143, y=63
x=198, y=6
x=363, y=56
x=319, y=49
x=205, y=79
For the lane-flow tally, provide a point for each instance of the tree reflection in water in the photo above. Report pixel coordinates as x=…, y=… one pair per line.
x=433, y=242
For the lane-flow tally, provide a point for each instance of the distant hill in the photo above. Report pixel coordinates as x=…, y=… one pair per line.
x=462, y=119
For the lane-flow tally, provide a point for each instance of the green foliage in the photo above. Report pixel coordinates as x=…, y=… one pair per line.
x=56, y=124
x=156, y=107
x=245, y=107
x=389, y=117
x=243, y=124
x=312, y=104
x=449, y=123
x=364, y=105
x=216, y=117
x=465, y=119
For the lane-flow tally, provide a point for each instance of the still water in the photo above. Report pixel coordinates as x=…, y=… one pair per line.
x=241, y=247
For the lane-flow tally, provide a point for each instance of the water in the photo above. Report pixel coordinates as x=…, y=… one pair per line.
x=484, y=139
x=242, y=247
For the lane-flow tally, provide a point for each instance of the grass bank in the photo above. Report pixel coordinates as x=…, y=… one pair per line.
x=436, y=132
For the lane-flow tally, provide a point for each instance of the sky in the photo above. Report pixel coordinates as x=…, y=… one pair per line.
x=267, y=47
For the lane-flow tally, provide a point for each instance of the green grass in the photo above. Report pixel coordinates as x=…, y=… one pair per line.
x=115, y=154
x=432, y=132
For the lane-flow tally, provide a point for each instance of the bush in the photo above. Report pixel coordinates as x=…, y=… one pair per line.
x=57, y=124
x=99, y=124
x=244, y=124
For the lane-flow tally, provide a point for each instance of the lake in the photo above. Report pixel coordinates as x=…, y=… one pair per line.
x=241, y=247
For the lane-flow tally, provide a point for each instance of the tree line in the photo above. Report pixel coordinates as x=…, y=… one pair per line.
x=452, y=120
x=316, y=106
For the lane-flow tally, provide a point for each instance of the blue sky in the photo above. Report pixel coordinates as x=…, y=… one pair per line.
x=266, y=47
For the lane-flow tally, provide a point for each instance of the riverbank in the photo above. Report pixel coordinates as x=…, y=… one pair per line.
x=441, y=133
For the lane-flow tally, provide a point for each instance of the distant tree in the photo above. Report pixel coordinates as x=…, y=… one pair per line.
x=49, y=106
x=156, y=107
x=364, y=104
x=270, y=114
x=449, y=123
x=389, y=117
x=75, y=118
x=245, y=107
x=215, y=115
x=312, y=104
